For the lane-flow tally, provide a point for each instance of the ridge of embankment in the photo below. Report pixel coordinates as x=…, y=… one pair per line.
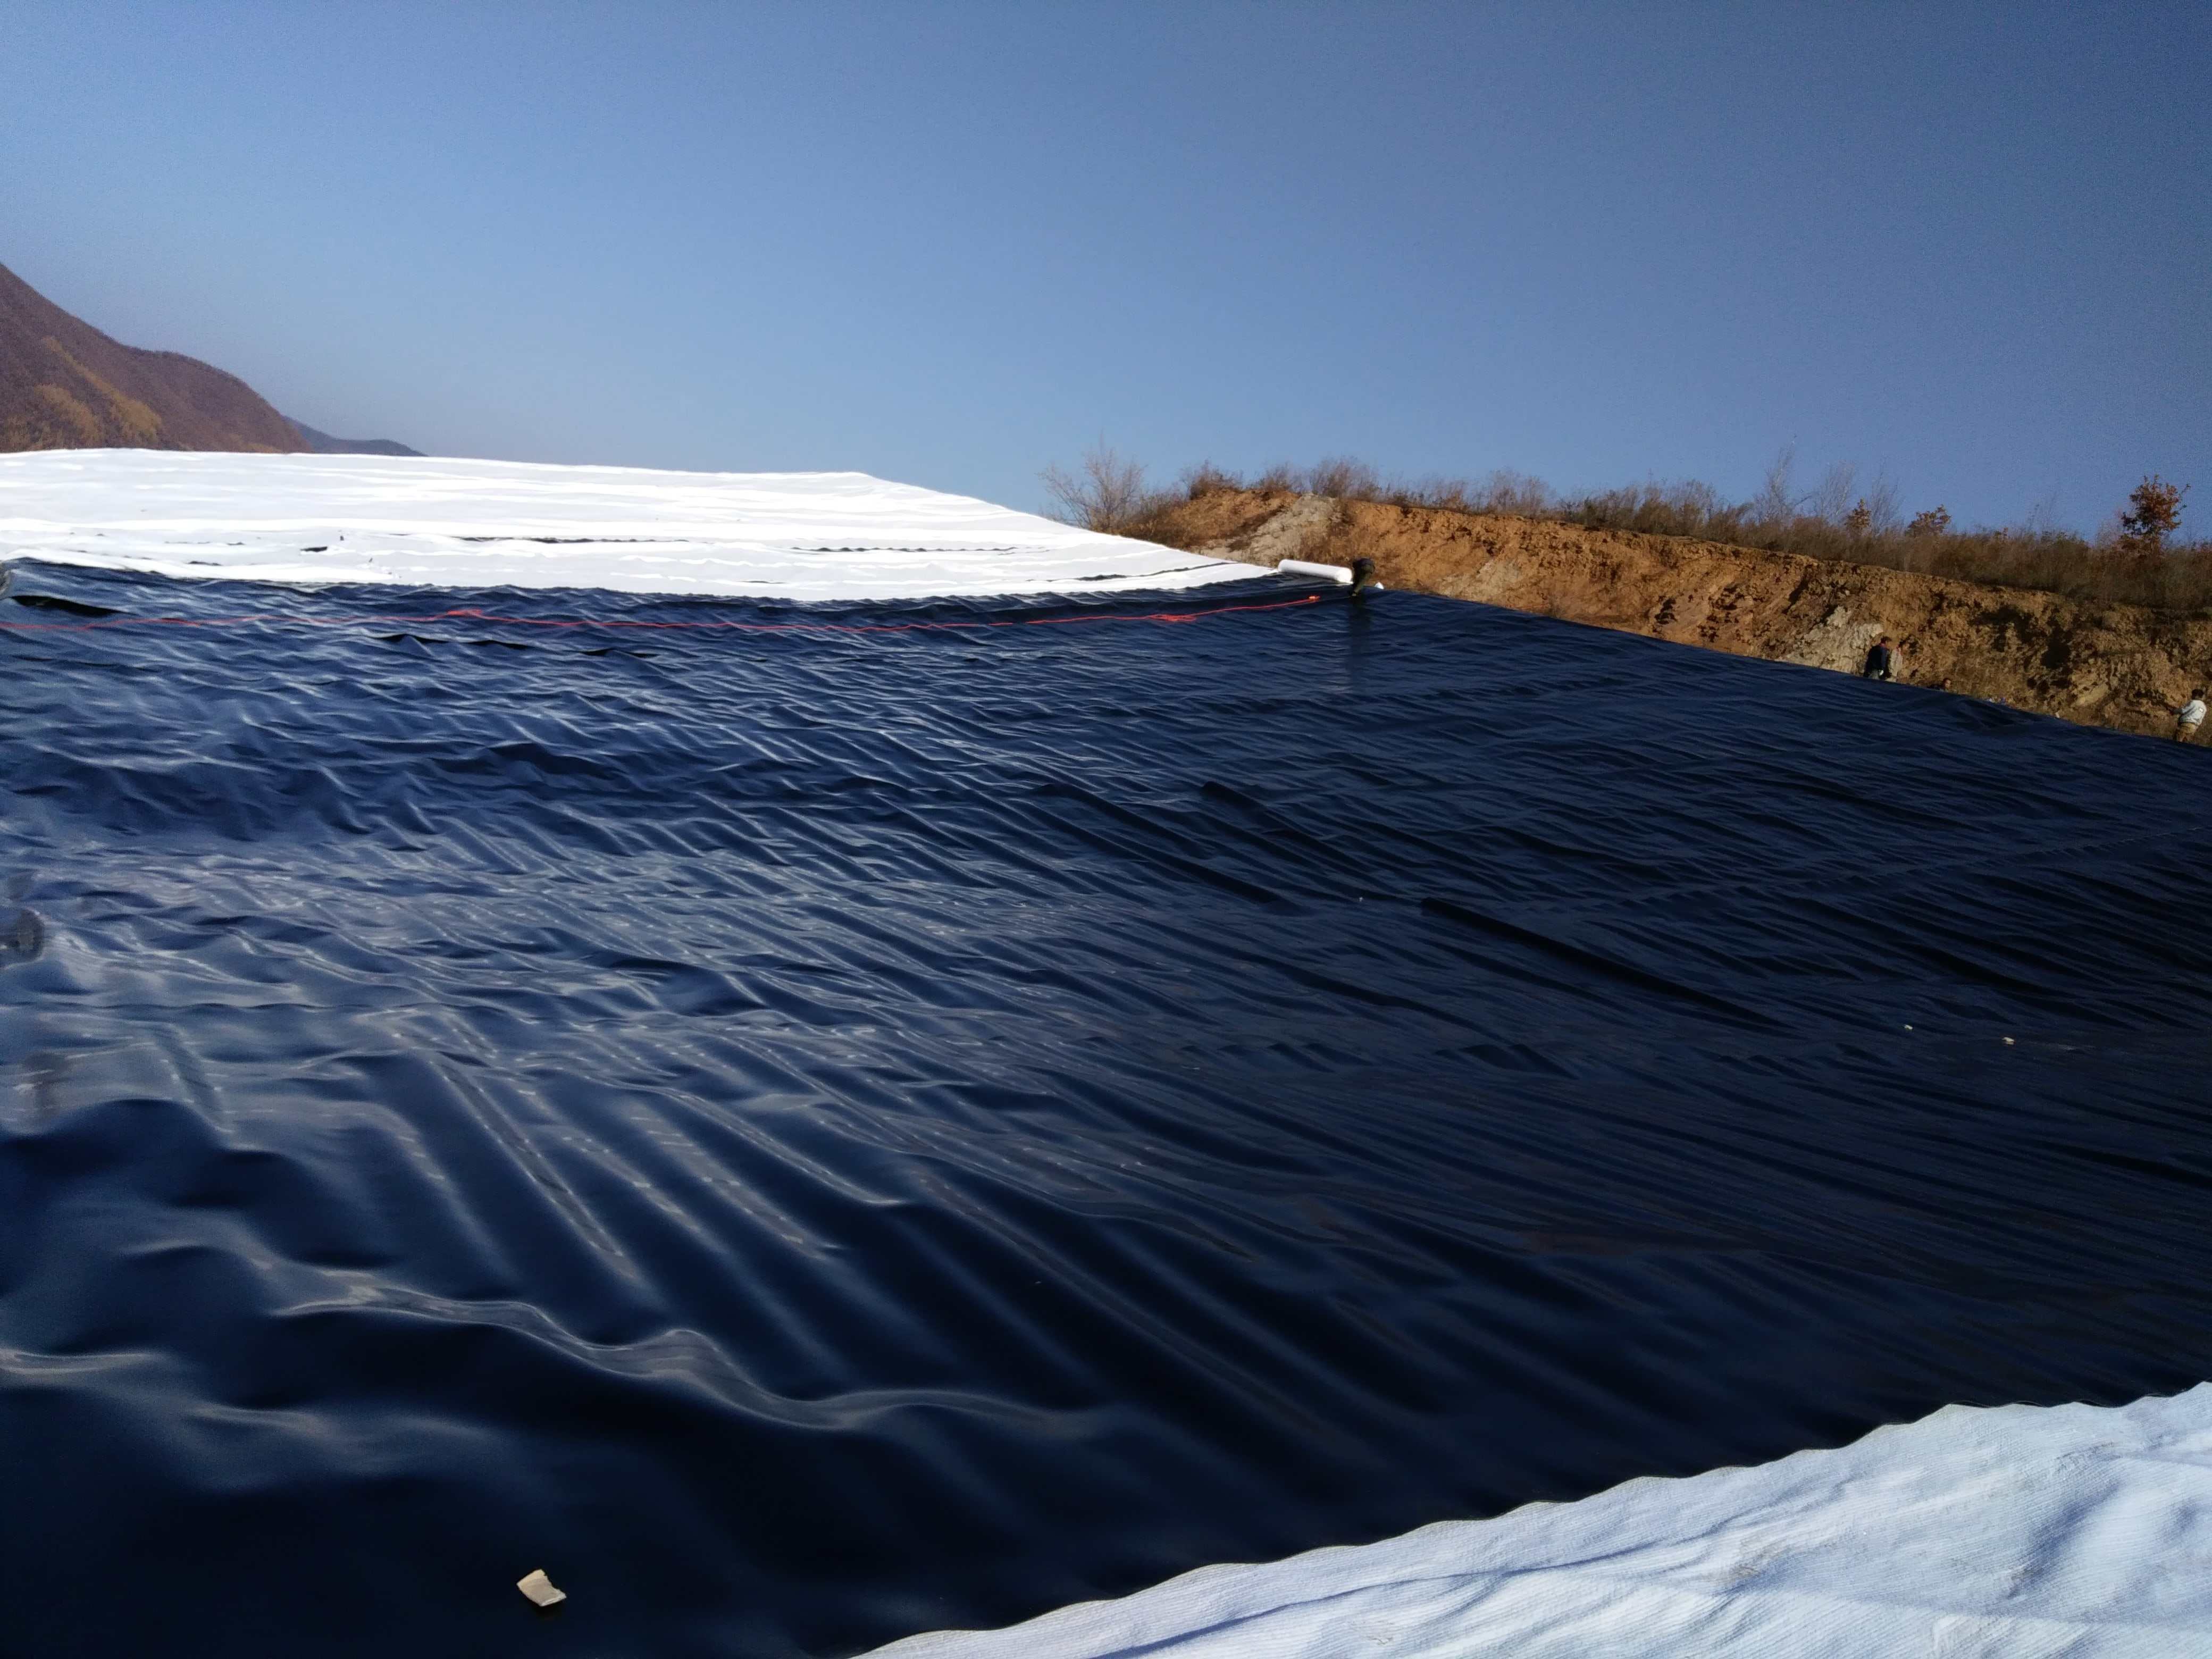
x=2121, y=666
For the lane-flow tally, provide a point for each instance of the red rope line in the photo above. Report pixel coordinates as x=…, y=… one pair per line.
x=465, y=615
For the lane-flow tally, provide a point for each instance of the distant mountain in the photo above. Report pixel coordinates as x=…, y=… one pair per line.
x=323, y=444
x=63, y=384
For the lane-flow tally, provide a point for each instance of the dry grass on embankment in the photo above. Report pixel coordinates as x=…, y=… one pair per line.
x=2099, y=663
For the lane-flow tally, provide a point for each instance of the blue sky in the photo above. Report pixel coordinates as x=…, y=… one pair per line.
x=951, y=243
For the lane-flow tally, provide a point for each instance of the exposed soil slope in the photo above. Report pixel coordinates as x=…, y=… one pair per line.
x=2114, y=665
x=63, y=384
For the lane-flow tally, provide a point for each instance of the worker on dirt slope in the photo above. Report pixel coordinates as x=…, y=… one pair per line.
x=1881, y=660
x=2191, y=716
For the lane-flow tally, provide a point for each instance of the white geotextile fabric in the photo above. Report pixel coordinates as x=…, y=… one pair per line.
x=450, y=523
x=2016, y=1531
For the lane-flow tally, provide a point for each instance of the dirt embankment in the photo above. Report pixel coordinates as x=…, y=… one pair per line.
x=2113, y=665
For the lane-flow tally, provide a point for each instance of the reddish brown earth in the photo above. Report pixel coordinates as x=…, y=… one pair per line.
x=2100, y=664
x=63, y=384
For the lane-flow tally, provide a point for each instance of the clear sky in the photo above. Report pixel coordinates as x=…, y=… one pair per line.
x=951, y=243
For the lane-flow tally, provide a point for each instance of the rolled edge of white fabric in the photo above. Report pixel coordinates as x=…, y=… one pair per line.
x=1336, y=573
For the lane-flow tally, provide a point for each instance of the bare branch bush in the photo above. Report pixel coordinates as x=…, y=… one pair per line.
x=1657, y=508
x=1777, y=501
x=1106, y=494
x=1517, y=493
x=1830, y=500
x=1344, y=478
x=1884, y=515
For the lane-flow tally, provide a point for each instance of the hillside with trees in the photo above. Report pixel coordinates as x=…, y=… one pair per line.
x=64, y=384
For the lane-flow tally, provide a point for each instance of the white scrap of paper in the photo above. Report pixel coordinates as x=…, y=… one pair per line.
x=540, y=1588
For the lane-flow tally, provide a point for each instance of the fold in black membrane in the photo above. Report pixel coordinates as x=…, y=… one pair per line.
x=804, y=1137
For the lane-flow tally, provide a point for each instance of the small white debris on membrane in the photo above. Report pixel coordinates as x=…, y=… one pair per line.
x=540, y=1588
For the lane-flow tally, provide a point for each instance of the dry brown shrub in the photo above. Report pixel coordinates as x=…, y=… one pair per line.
x=1207, y=479
x=2154, y=513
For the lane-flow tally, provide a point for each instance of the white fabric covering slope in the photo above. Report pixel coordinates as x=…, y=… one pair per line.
x=2016, y=1531
x=487, y=524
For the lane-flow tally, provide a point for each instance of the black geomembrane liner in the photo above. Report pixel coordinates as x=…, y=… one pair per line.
x=809, y=1137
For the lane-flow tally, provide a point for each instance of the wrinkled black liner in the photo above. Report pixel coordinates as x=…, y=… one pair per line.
x=810, y=1137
